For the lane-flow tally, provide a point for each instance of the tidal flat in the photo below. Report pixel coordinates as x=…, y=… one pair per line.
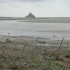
x=34, y=46
x=33, y=53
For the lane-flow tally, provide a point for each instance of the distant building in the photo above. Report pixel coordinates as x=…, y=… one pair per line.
x=30, y=16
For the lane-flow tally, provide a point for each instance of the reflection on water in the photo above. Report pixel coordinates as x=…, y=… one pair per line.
x=11, y=27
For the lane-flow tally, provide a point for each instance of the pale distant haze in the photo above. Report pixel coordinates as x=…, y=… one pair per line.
x=40, y=8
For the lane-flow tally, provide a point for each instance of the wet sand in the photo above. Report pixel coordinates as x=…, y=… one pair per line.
x=48, y=20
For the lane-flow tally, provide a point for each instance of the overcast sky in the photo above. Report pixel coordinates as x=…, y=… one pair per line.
x=40, y=8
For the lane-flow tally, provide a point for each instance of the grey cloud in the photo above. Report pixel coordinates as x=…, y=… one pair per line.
x=5, y=1
x=31, y=0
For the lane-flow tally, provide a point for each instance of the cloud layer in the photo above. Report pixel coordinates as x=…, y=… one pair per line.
x=6, y=1
x=41, y=8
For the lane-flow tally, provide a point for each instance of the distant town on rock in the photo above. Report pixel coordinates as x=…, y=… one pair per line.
x=30, y=16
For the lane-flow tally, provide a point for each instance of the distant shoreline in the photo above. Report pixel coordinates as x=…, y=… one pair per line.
x=41, y=20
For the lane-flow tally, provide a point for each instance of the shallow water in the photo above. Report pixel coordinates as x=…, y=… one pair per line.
x=45, y=30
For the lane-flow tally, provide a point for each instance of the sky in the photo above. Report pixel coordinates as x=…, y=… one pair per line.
x=40, y=8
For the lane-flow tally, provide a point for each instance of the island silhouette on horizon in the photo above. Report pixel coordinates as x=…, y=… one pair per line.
x=30, y=16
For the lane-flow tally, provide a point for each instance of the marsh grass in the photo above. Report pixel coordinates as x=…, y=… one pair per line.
x=60, y=46
x=32, y=56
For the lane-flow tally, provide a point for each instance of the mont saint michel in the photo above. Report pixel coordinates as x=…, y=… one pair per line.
x=30, y=16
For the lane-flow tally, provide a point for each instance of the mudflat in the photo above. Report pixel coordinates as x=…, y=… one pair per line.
x=48, y=20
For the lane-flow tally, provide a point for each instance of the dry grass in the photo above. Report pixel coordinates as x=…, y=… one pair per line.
x=33, y=55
